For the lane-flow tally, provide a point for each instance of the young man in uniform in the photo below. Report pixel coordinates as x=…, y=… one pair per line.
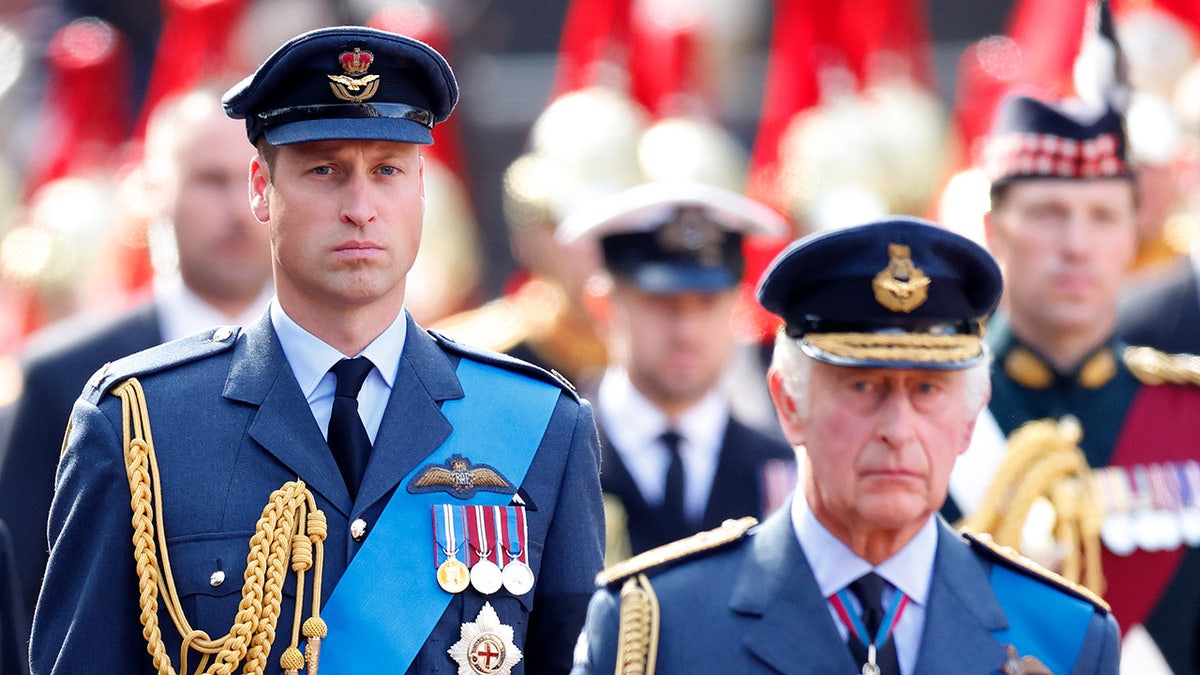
x=1063, y=225
x=448, y=506
x=675, y=460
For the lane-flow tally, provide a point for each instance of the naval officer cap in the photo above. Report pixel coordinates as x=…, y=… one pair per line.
x=346, y=83
x=673, y=237
x=894, y=293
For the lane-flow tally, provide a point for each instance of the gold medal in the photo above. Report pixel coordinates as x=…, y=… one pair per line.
x=518, y=578
x=486, y=577
x=453, y=576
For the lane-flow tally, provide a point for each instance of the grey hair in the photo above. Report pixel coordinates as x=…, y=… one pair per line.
x=795, y=370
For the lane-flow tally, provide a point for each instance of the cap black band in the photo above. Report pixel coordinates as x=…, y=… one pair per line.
x=801, y=326
x=304, y=113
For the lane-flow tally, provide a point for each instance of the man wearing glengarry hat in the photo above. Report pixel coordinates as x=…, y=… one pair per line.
x=878, y=375
x=331, y=485
x=1110, y=459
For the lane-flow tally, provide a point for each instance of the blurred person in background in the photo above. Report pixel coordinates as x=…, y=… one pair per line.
x=213, y=267
x=541, y=319
x=13, y=629
x=1100, y=430
x=675, y=460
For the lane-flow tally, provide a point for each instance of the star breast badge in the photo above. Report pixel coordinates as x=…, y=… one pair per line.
x=486, y=646
x=458, y=476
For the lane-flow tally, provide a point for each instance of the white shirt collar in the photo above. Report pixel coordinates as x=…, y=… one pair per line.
x=311, y=359
x=835, y=566
x=182, y=313
x=633, y=424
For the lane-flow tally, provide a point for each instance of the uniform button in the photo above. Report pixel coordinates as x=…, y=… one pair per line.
x=216, y=579
x=222, y=334
x=358, y=529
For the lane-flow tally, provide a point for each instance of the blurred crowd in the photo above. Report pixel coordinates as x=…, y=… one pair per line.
x=850, y=124
x=849, y=127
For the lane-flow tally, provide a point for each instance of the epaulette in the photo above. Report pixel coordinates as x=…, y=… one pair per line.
x=1010, y=558
x=497, y=326
x=504, y=361
x=1151, y=366
x=161, y=357
x=677, y=551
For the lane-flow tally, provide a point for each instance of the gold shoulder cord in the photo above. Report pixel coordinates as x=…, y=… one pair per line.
x=637, y=639
x=1044, y=462
x=290, y=528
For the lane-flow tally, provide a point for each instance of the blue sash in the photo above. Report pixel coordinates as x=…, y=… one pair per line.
x=1042, y=621
x=388, y=601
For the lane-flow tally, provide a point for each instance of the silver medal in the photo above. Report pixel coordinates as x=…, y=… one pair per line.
x=518, y=578
x=486, y=577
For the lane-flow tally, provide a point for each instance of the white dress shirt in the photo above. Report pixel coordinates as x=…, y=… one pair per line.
x=182, y=313
x=311, y=359
x=634, y=425
x=835, y=567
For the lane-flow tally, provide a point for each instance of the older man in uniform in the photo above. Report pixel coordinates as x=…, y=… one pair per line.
x=1063, y=223
x=412, y=505
x=878, y=374
x=675, y=460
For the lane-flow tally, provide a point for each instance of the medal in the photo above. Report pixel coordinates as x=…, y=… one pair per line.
x=518, y=578
x=870, y=667
x=485, y=574
x=517, y=575
x=486, y=646
x=453, y=576
x=1146, y=523
x=486, y=577
x=452, y=573
x=1117, y=529
x=1188, y=474
x=1166, y=501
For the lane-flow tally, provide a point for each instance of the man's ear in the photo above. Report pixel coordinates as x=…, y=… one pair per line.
x=260, y=185
x=790, y=420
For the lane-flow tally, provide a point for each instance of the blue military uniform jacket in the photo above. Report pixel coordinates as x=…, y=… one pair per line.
x=754, y=606
x=230, y=426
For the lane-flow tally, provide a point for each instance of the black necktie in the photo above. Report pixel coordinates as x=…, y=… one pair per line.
x=348, y=437
x=672, y=508
x=869, y=590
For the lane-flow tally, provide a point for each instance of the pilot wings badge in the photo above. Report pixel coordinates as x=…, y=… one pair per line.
x=459, y=477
